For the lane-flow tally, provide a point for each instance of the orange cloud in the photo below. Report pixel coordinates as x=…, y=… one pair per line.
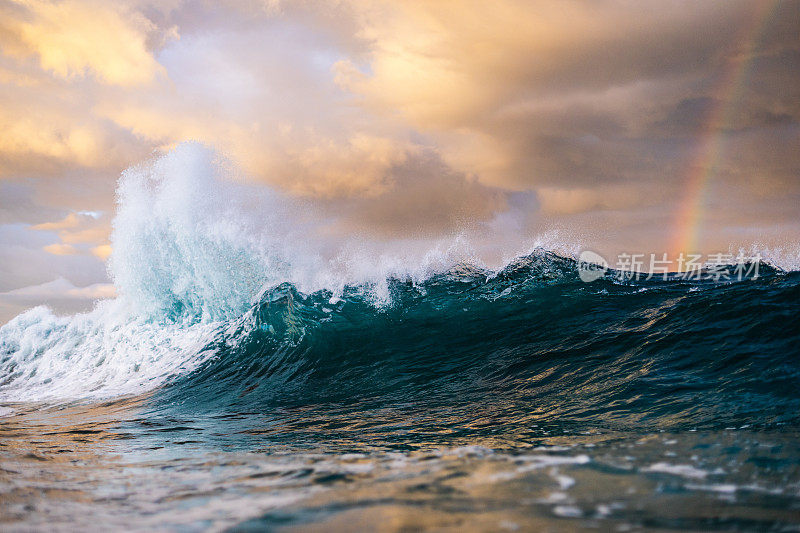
x=34, y=136
x=103, y=251
x=77, y=228
x=60, y=249
x=73, y=38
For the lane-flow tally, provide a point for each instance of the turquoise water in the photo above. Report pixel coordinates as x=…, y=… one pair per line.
x=523, y=399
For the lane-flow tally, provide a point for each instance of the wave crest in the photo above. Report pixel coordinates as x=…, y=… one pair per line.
x=207, y=267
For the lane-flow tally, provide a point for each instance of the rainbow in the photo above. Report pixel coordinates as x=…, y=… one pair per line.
x=728, y=88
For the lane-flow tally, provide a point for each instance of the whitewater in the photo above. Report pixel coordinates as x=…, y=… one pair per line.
x=258, y=371
x=192, y=249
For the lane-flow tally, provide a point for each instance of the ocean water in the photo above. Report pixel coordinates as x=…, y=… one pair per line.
x=245, y=381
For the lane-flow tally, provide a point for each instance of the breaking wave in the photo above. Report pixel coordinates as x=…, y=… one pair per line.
x=218, y=305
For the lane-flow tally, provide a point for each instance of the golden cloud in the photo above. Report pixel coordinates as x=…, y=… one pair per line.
x=32, y=136
x=102, y=252
x=74, y=38
x=60, y=249
x=77, y=228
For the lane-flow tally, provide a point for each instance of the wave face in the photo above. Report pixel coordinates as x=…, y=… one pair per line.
x=529, y=343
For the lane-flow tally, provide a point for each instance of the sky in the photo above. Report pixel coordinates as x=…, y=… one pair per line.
x=659, y=126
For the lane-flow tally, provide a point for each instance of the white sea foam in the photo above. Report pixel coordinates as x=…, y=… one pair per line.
x=189, y=239
x=567, y=511
x=687, y=471
x=785, y=256
x=193, y=248
x=99, y=354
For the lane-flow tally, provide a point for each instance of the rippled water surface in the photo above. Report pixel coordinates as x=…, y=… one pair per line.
x=116, y=465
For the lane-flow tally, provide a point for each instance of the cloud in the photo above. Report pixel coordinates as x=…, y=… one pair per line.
x=570, y=201
x=423, y=198
x=79, y=233
x=51, y=129
x=512, y=91
x=60, y=294
x=24, y=260
x=60, y=249
x=18, y=204
x=79, y=227
x=24, y=137
x=75, y=38
x=102, y=252
x=60, y=289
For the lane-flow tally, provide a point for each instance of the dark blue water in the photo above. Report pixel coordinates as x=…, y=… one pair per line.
x=525, y=399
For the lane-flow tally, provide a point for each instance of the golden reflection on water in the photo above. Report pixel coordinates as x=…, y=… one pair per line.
x=111, y=466
x=501, y=426
x=55, y=454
